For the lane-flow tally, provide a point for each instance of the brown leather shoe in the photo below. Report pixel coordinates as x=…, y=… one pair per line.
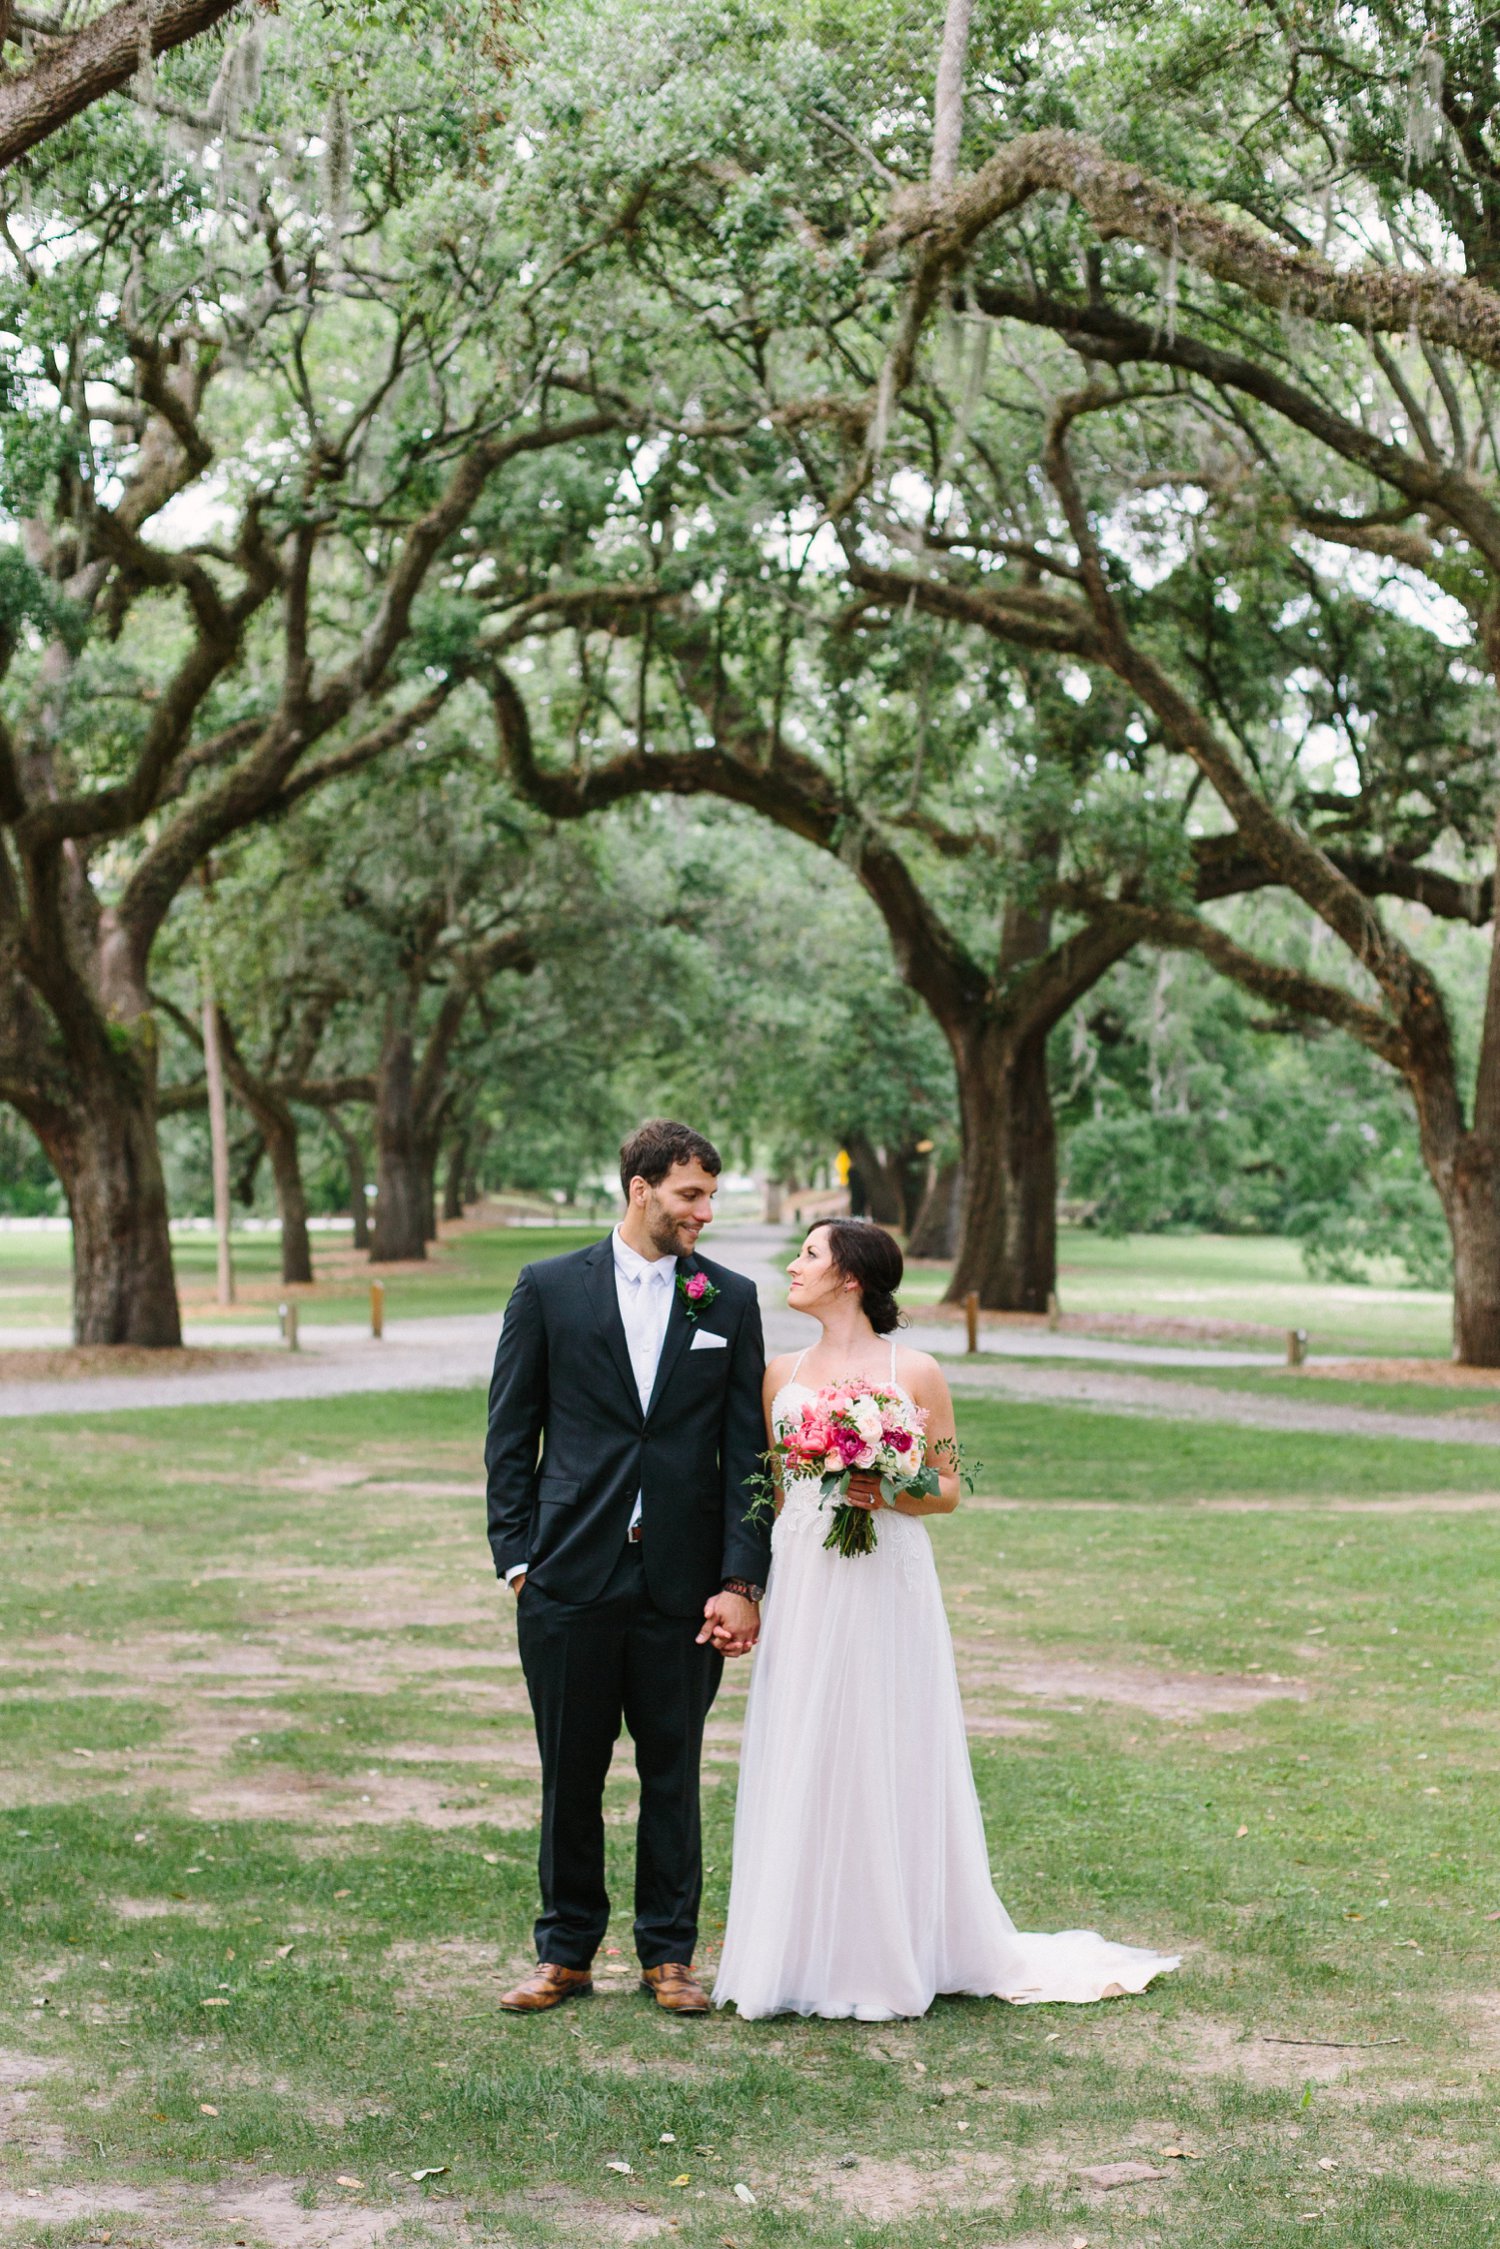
x=548, y=1985
x=676, y=1988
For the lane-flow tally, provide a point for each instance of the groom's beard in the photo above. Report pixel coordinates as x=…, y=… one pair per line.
x=671, y=1237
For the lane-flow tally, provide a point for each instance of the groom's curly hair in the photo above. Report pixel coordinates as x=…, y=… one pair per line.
x=654, y=1147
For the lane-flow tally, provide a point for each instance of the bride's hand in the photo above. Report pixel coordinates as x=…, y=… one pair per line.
x=864, y=1491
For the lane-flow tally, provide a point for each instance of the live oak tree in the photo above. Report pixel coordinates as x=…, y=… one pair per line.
x=281, y=432
x=748, y=232
x=52, y=65
x=980, y=948
x=1291, y=238
x=1329, y=328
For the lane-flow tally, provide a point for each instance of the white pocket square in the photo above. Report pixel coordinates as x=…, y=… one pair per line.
x=703, y=1341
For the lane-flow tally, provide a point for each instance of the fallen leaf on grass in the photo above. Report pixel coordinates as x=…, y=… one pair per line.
x=1239, y=1831
x=282, y=1951
x=213, y=2002
x=337, y=1893
x=1119, y=2174
x=343, y=2180
x=491, y=1858
x=668, y=2139
x=623, y=2169
x=206, y=2108
x=1406, y=1944
x=682, y=2180
x=433, y=2171
x=1328, y=2163
x=1181, y=2154
x=742, y=2192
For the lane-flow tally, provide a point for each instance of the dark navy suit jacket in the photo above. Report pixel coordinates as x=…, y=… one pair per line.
x=569, y=1447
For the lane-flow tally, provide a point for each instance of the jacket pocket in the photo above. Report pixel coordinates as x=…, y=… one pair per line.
x=557, y=1491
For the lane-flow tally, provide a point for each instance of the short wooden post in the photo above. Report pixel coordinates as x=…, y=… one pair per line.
x=377, y=1309
x=1054, y=1310
x=1296, y=1346
x=971, y=1318
x=289, y=1326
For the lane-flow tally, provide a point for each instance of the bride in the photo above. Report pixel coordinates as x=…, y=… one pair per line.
x=861, y=1880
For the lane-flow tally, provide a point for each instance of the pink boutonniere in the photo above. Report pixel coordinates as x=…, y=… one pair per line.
x=697, y=1292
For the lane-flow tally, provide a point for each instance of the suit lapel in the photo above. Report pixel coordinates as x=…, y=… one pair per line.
x=675, y=1341
x=604, y=1299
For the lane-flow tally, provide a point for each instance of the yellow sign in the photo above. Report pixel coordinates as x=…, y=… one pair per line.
x=842, y=1167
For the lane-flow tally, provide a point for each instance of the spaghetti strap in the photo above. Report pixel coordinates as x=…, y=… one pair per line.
x=797, y=1369
x=893, y=1358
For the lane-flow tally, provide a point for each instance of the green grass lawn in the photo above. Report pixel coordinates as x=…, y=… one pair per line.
x=1162, y=1278
x=267, y=1845
x=1244, y=1279
x=472, y=1269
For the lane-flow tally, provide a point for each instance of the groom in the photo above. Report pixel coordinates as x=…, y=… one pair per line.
x=625, y=1422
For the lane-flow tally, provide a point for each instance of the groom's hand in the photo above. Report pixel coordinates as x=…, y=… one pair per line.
x=731, y=1622
x=516, y=1584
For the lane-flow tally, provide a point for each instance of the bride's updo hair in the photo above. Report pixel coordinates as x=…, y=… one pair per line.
x=866, y=1253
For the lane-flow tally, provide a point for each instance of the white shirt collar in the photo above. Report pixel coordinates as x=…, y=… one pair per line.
x=637, y=1268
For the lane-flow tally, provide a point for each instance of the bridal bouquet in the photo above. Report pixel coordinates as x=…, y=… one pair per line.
x=855, y=1427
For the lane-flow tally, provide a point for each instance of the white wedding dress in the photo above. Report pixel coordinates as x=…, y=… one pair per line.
x=861, y=1881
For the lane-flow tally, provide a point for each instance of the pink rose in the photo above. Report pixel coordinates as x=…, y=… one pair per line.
x=899, y=1440
x=850, y=1444
x=865, y=1457
x=696, y=1284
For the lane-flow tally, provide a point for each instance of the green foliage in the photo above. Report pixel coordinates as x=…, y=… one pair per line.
x=28, y=1185
x=1178, y=1111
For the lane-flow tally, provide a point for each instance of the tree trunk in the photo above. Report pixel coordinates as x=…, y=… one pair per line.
x=354, y=1164
x=934, y=1230
x=453, y=1176
x=1474, y=1222
x=105, y=1153
x=403, y=1175
x=913, y=1173
x=277, y=1125
x=478, y=1146
x=429, y=1158
x=291, y=1197
x=1007, y=1247
x=882, y=1189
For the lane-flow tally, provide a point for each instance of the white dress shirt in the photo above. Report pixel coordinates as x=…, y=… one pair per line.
x=643, y=1287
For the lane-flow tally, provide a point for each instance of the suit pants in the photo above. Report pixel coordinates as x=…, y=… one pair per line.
x=589, y=1666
